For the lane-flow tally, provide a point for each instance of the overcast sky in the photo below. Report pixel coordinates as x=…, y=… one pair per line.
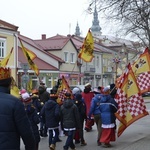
x=50, y=17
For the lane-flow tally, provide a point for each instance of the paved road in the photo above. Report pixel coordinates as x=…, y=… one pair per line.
x=135, y=137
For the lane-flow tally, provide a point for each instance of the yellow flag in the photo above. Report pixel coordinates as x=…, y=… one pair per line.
x=141, y=69
x=14, y=89
x=131, y=105
x=142, y=64
x=31, y=63
x=4, y=61
x=86, y=52
x=31, y=54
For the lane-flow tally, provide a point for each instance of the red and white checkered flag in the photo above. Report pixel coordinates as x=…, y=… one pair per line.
x=62, y=90
x=131, y=105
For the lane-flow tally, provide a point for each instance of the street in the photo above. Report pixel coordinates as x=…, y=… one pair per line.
x=136, y=136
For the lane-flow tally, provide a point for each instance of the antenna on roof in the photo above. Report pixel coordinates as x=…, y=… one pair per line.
x=69, y=28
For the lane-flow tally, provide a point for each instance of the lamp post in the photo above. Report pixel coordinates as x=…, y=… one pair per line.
x=25, y=77
x=116, y=61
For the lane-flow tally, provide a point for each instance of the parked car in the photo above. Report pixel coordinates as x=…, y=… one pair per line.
x=48, y=90
x=147, y=94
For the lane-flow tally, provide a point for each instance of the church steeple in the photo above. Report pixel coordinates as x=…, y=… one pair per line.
x=77, y=32
x=96, y=29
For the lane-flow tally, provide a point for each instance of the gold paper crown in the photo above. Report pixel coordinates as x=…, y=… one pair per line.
x=5, y=73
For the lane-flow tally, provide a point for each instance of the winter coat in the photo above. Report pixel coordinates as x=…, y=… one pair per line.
x=95, y=105
x=37, y=104
x=70, y=119
x=81, y=108
x=87, y=96
x=34, y=121
x=14, y=123
x=108, y=108
x=51, y=114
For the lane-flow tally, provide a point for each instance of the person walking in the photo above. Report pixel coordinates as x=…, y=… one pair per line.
x=82, y=113
x=69, y=120
x=36, y=101
x=87, y=95
x=51, y=114
x=108, y=108
x=44, y=96
x=33, y=117
x=95, y=111
x=14, y=124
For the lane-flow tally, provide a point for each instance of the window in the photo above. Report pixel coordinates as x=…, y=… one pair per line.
x=2, y=47
x=72, y=57
x=34, y=82
x=50, y=82
x=66, y=56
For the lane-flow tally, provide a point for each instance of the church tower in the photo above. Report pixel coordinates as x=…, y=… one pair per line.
x=77, y=32
x=96, y=29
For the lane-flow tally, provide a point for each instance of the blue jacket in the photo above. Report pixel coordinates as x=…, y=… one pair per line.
x=108, y=108
x=95, y=105
x=51, y=113
x=14, y=123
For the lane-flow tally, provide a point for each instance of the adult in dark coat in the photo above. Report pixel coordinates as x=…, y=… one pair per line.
x=82, y=113
x=44, y=96
x=70, y=120
x=14, y=121
x=34, y=121
x=51, y=113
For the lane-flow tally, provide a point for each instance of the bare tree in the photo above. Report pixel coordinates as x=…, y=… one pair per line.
x=132, y=17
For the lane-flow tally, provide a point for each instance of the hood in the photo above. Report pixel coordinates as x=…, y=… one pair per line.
x=50, y=104
x=41, y=89
x=68, y=103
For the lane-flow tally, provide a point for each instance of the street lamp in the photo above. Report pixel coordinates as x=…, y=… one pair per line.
x=116, y=60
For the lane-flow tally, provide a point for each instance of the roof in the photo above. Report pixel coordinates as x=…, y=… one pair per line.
x=38, y=47
x=8, y=26
x=42, y=65
x=54, y=43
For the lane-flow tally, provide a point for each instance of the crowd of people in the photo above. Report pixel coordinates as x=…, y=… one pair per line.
x=37, y=114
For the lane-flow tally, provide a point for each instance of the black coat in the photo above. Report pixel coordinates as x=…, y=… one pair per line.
x=51, y=114
x=14, y=123
x=69, y=115
x=34, y=121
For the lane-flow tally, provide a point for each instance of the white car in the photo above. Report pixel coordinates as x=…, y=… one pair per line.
x=48, y=90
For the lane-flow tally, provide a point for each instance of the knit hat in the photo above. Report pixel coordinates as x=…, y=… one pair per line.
x=75, y=90
x=23, y=91
x=26, y=98
x=106, y=89
x=25, y=95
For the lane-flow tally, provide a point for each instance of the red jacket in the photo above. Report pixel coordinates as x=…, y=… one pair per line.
x=87, y=99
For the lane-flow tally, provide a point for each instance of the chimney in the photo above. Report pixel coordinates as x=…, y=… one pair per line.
x=43, y=36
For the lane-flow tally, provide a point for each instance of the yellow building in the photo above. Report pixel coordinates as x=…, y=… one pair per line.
x=8, y=40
